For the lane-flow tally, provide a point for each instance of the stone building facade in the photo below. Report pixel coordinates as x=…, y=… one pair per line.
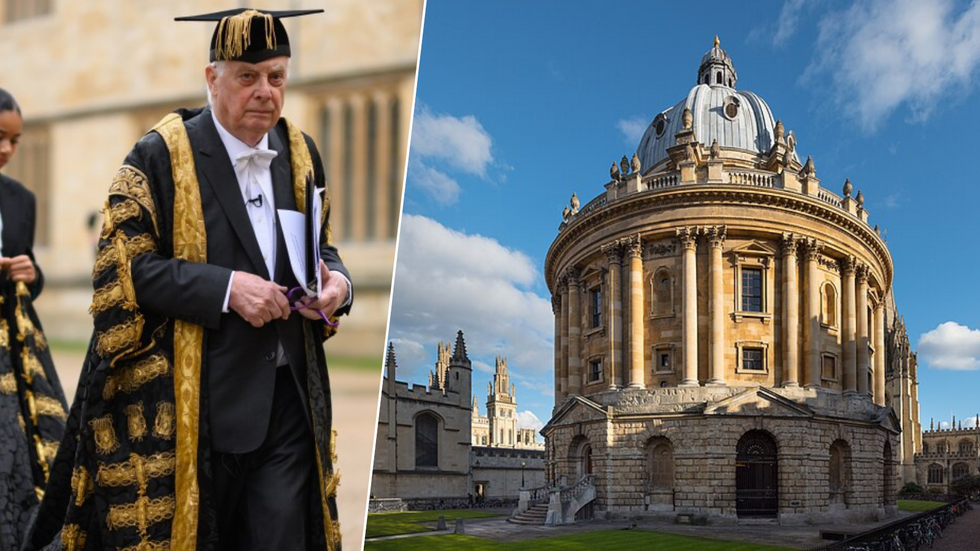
x=902, y=393
x=720, y=326
x=92, y=77
x=947, y=454
x=432, y=446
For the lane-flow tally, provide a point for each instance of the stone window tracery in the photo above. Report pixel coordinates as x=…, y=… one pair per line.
x=960, y=470
x=935, y=474
x=966, y=447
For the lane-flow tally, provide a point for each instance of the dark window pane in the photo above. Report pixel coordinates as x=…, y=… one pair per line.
x=752, y=359
x=751, y=290
x=426, y=441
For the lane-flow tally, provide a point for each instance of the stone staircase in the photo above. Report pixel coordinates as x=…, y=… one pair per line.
x=534, y=515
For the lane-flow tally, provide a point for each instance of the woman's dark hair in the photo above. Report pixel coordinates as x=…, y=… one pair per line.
x=7, y=102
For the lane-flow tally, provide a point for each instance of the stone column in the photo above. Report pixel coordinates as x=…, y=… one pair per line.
x=574, y=334
x=688, y=238
x=381, y=159
x=559, y=321
x=811, y=339
x=863, y=333
x=566, y=322
x=359, y=146
x=880, y=352
x=634, y=249
x=849, y=324
x=716, y=301
x=791, y=313
x=615, y=334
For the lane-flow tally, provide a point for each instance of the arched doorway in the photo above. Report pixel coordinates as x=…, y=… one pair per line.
x=756, y=476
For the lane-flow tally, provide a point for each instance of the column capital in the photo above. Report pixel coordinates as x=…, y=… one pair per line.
x=633, y=246
x=789, y=244
x=688, y=237
x=811, y=248
x=570, y=276
x=848, y=265
x=613, y=251
x=556, y=304
x=716, y=236
x=862, y=272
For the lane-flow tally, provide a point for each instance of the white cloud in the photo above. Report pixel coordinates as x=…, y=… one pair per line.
x=448, y=280
x=632, y=129
x=878, y=56
x=461, y=142
x=528, y=420
x=789, y=17
x=479, y=365
x=951, y=346
x=443, y=189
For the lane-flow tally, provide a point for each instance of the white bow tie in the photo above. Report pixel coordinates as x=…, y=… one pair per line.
x=258, y=158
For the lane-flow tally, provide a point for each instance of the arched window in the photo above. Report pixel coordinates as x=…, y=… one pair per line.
x=829, y=310
x=660, y=464
x=426, y=440
x=935, y=474
x=960, y=470
x=718, y=78
x=662, y=293
x=840, y=477
x=966, y=447
x=757, y=476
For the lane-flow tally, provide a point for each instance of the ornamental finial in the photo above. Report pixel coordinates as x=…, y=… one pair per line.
x=717, y=42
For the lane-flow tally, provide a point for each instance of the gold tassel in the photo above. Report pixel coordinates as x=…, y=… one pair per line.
x=235, y=32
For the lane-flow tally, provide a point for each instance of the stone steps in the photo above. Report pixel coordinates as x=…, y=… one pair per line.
x=534, y=515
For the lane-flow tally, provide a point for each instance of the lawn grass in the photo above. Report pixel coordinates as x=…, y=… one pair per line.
x=917, y=505
x=364, y=364
x=606, y=540
x=391, y=524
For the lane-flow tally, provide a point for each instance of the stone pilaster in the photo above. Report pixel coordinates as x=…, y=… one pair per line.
x=863, y=333
x=791, y=312
x=849, y=324
x=811, y=339
x=634, y=250
x=614, y=292
x=574, y=334
x=879, y=397
x=556, y=304
x=716, y=300
x=688, y=238
x=566, y=322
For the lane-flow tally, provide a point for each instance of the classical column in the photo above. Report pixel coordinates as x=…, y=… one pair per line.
x=574, y=334
x=566, y=322
x=334, y=126
x=791, y=313
x=863, y=334
x=381, y=160
x=358, y=174
x=688, y=238
x=880, y=351
x=613, y=253
x=559, y=319
x=716, y=301
x=849, y=325
x=811, y=339
x=634, y=249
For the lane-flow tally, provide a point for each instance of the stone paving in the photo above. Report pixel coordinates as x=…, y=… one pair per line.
x=962, y=535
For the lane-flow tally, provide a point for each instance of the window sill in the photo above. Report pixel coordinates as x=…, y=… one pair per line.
x=601, y=331
x=742, y=371
x=765, y=317
x=663, y=316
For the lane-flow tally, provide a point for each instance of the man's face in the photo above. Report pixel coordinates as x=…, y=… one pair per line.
x=247, y=97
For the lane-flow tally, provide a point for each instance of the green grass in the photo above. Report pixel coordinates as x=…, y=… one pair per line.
x=364, y=364
x=917, y=505
x=391, y=524
x=606, y=540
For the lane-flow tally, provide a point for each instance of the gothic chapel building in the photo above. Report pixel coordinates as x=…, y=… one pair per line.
x=720, y=322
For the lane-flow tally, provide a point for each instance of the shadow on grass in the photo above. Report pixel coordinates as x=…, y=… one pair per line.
x=391, y=524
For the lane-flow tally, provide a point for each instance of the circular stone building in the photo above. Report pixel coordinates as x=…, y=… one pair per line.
x=720, y=327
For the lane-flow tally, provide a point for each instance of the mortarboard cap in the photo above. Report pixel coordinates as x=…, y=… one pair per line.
x=248, y=35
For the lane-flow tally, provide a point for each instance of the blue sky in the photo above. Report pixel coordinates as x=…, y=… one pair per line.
x=519, y=104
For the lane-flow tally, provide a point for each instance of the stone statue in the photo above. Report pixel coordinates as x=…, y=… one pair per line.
x=715, y=149
x=575, y=203
x=635, y=163
x=566, y=213
x=848, y=188
x=624, y=166
x=614, y=172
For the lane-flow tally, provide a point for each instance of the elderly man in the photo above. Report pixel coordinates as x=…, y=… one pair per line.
x=203, y=416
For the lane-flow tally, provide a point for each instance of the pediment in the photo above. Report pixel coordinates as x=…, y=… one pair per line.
x=759, y=401
x=754, y=248
x=889, y=420
x=574, y=410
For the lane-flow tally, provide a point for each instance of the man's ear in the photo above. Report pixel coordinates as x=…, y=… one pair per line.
x=210, y=75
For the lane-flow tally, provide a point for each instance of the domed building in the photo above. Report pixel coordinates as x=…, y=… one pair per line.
x=720, y=327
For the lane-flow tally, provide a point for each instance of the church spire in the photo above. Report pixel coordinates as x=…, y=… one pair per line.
x=459, y=351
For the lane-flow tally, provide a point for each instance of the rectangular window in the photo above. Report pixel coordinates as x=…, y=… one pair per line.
x=595, y=371
x=829, y=368
x=751, y=290
x=752, y=359
x=664, y=361
x=595, y=300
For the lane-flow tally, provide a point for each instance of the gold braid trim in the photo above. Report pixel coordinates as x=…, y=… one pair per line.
x=130, y=182
x=32, y=366
x=124, y=210
x=141, y=513
x=119, y=337
x=235, y=34
x=136, y=422
x=4, y=335
x=147, y=545
x=190, y=243
x=135, y=246
x=130, y=377
x=163, y=427
x=49, y=406
x=108, y=297
x=105, y=435
x=136, y=470
x=81, y=485
x=8, y=384
x=73, y=537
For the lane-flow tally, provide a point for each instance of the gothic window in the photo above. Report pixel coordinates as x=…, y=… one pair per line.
x=935, y=474
x=966, y=447
x=595, y=306
x=426, y=440
x=660, y=464
x=829, y=309
x=751, y=290
x=960, y=470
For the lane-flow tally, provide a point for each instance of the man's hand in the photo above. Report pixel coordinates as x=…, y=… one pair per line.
x=19, y=268
x=333, y=294
x=256, y=300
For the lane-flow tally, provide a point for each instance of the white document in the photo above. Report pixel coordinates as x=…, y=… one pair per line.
x=300, y=246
